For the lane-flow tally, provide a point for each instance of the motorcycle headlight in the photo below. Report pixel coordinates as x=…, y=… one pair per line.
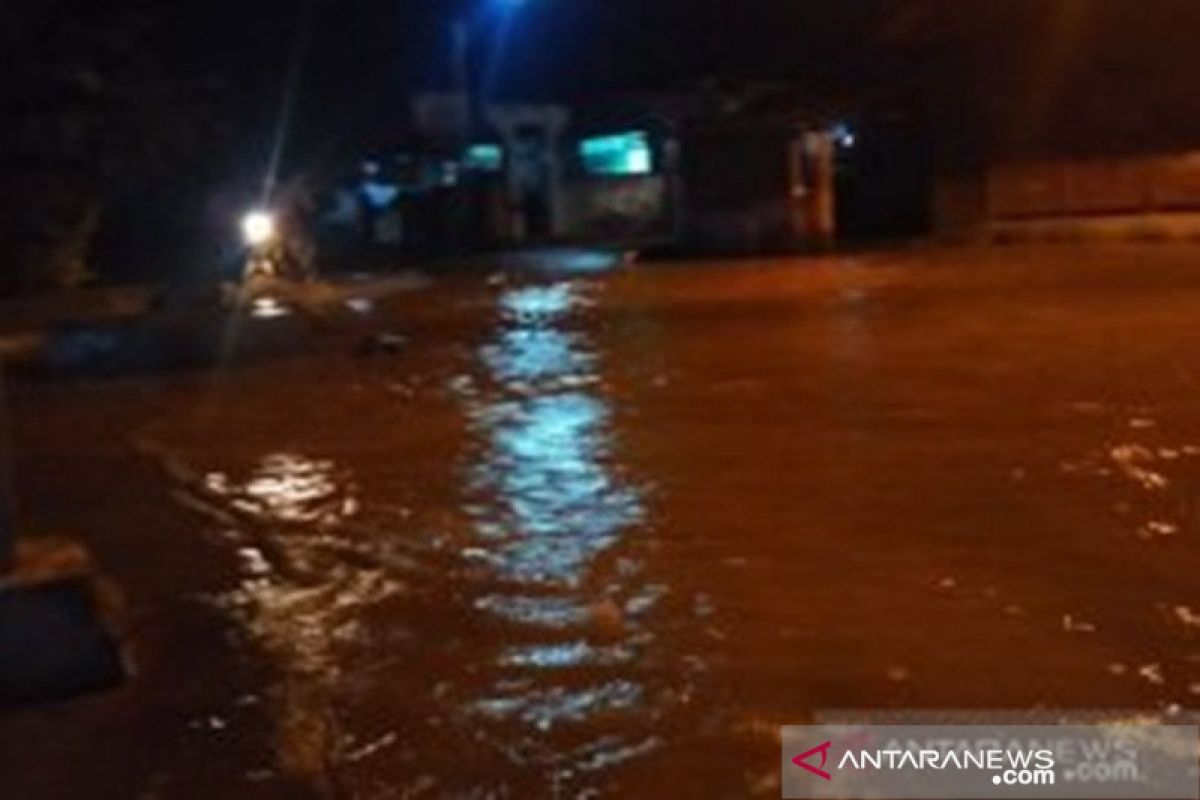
x=258, y=227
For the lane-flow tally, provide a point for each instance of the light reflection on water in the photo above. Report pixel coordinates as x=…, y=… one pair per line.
x=536, y=354
x=558, y=504
x=300, y=598
x=549, y=500
x=548, y=674
x=941, y=511
x=287, y=487
x=1145, y=476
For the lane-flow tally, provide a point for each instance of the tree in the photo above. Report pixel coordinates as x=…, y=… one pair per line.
x=91, y=106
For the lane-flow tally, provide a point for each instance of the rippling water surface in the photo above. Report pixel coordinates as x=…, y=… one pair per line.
x=599, y=535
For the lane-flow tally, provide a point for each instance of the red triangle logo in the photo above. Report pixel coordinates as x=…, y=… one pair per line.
x=802, y=760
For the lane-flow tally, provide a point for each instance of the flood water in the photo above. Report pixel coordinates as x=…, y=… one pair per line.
x=598, y=534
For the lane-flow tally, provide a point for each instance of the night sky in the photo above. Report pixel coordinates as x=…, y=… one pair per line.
x=360, y=60
x=1054, y=70
x=1050, y=61
x=180, y=104
x=175, y=107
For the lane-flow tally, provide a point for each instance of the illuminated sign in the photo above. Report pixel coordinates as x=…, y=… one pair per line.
x=617, y=154
x=485, y=157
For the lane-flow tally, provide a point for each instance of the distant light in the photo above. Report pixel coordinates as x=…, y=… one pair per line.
x=267, y=308
x=638, y=162
x=844, y=134
x=258, y=227
x=485, y=157
x=360, y=305
x=379, y=195
x=626, y=153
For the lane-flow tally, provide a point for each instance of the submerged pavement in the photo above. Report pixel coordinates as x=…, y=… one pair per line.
x=598, y=534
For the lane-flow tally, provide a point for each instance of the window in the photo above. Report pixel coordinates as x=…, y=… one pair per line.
x=617, y=154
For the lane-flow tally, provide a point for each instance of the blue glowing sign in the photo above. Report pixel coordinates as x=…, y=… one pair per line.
x=485, y=157
x=618, y=154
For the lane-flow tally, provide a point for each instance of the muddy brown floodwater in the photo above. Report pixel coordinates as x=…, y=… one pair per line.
x=598, y=534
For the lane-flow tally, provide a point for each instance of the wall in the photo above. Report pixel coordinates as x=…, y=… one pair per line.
x=1128, y=185
x=618, y=208
x=1139, y=196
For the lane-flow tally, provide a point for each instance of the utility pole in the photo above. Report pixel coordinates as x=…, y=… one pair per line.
x=462, y=79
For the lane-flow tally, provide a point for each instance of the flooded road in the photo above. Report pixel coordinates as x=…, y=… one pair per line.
x=594, y=534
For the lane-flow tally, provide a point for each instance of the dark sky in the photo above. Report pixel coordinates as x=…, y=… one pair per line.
x=360, y=59
x=357, y=61
x=368, y=52
x=1017, y=77
x=1051, y=66
x=564, y=47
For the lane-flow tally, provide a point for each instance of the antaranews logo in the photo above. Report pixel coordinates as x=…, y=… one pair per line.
x=1011, y=765
x=822, y=750
x=1134, y=761
x=847, y=743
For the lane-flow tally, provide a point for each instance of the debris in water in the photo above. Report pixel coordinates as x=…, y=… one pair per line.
x=1132, y=460
x=1073, y=625
x=607, y=617
x=1152, y=673
x=1187, y=616
x=1155, y=529
x=371, y=748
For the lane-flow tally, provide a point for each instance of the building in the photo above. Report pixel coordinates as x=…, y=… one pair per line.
x=718, y=170
x=1059, y=119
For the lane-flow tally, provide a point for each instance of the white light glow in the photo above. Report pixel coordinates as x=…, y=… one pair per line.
x=258, y=227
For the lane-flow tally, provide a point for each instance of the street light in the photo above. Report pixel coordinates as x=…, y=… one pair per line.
x=463, y=30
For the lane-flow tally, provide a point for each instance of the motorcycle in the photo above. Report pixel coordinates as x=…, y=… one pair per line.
x=264, y=247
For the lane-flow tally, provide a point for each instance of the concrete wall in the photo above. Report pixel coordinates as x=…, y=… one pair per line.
x=1139, y=196
x=618, y=208
x=765, y=226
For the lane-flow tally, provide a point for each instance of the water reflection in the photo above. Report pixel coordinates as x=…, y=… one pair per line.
x=299, y=598
x=568, y=654
x=540, y=305
x=557, y=504
x=288, y=487
x=1148, y=479
x=535, y=354
x=549, y=500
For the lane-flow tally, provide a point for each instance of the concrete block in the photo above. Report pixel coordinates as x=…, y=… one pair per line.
x=56, y=637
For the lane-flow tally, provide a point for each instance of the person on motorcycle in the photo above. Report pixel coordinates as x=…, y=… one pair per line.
x=280, y=243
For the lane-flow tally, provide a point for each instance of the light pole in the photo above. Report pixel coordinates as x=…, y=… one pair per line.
x=463, y=33
x=462, y=78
